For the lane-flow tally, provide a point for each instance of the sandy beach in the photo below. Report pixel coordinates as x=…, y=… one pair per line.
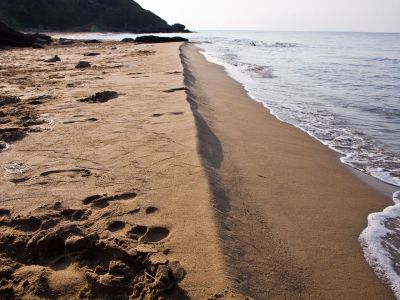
x=151, y=174
x=119, y=179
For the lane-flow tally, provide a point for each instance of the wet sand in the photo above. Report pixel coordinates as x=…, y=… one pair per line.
x=289, y=212
x=102, y=196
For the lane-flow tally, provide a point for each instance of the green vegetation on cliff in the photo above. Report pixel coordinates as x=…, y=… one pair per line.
x=82, y=15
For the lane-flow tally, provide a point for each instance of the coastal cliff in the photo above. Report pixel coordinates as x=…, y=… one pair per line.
x=83, y=15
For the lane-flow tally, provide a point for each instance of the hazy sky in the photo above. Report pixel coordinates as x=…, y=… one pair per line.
x=331, y=15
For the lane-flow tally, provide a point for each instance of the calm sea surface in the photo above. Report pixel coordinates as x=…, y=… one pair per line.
x=341, y=88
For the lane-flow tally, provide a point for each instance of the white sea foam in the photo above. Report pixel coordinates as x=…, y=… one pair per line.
x=380, y=242
x=396, y=197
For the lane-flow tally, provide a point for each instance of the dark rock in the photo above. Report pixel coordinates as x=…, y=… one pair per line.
x=3, y=146
x=11, y=37
x=101, y=97
x=152, y=39
x=53, y=59
x=92, y=41
x=91, y=54
x=33, y=122
x=12, y=136
x=37, y=46
x=83, y=64
x=7, y=100
x=63, y=41
x=178, y=27
x=42, y=38
x=128, y=40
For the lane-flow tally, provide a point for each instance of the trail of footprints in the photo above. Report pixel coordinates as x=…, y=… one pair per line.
x=136, y=232
x=115, y=266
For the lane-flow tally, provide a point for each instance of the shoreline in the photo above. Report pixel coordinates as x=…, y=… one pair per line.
x=375, y=182
x=245, y=201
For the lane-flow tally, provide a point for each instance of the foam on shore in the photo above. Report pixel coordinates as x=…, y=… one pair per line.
x=381, y=244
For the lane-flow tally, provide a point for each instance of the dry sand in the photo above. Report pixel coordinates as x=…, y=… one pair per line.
x=103, y=199
x=289, y=212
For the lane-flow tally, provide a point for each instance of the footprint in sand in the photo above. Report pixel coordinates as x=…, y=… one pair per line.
x=134, y=211
x=115, y=226
x=175, y=90
x=157, y=115
x=151, y=210
x=72, y=173
x=177, y=113
x=81, y=121
x=104, y=201
x=148, y=235
x=4, y=212
x=155, y=235
x=27, y=224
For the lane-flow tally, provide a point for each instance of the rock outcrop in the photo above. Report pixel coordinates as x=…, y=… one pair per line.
x=83, y=15
x=11, y=37
x=152, y=39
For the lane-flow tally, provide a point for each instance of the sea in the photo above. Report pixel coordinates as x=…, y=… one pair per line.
x=341, y=88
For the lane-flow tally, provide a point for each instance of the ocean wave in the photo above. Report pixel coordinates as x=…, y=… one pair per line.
x=257, y=71
x=380, y=242
x=385, y=59
x=273, y=44
x=384, y=111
